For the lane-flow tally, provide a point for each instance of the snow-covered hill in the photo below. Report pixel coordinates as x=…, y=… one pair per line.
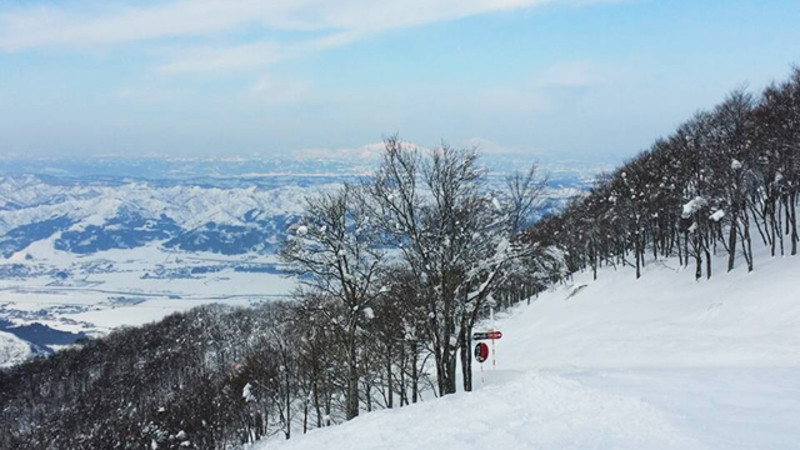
x=90, y=216
x=13, y=350
x=660, y=362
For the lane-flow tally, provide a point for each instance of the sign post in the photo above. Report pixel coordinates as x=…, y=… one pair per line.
x=480, y=347
x=491, y=331
x=485, y=335
x=481, y=353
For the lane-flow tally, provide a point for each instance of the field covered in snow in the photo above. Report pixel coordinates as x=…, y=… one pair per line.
x=663, y=362
x=131, y=287
x=88, y=246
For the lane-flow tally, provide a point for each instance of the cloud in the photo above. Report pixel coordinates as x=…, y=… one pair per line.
x=319, y=25
x=236, y=35
x=210, y=59
x=270, y=91
x=563, y=83
x=146, y=94
x=248, y=56
x=47, y=26
x=570, y=74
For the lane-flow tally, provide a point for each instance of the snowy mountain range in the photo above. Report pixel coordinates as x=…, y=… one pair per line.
x=229, y=207
x=89, y=216
x=89, y=245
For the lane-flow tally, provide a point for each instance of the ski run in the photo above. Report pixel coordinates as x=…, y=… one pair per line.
x=662, y=362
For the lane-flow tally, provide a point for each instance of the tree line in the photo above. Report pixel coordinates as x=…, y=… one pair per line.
x=722, y=180
x=214, y=377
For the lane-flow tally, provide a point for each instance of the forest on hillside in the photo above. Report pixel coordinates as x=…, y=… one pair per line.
x=724, y=181
x=396, y=271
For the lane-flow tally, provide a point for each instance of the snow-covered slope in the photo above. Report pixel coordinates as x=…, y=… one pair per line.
x=13, y=350
x=28, y=199
x=660, y=362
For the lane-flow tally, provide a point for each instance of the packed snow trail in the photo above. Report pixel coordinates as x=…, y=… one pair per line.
x=659, y=363
x=523, y=410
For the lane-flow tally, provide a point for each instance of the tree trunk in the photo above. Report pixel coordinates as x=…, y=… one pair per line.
x=450, y=380
x=305, y=415
x=368, y=393
x=352, y=375
x=698, y=271
x=686, y=248
x=414, y=373
x=732, y=237
x=316, y=404
x=389, y=384
x=403, y=391
x=328, y=409
x=746, y=243
x=793, y=220
x=466, y=359
x=288, y=406
x=446, y=370
x=779, y=222
x=773, y=225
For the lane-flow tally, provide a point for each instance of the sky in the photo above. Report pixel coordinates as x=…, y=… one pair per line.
x=586, y=79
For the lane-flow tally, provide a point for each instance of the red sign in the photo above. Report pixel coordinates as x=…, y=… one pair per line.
x=481, y=352
x=487, y=335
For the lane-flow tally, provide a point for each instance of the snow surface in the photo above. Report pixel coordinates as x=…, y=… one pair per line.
x=13, y=350
x=693, y=206
x=108, y=289
x=26, y=199
x=661, y=362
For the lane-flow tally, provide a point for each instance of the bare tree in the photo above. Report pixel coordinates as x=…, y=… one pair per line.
x=334, y=250
x=455, y=236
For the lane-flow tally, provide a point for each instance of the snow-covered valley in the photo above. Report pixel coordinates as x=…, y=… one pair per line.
x=86, y=247
x=659, y=362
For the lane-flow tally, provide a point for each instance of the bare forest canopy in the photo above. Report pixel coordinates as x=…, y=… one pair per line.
x=724, y=181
